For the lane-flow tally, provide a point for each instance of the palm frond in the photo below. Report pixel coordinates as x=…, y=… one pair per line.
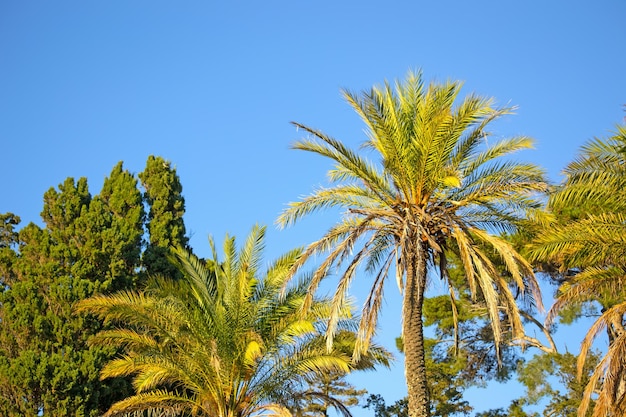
x=608, y=375
x=160, y=402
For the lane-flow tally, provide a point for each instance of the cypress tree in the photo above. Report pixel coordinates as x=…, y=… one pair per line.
x=163, y=194
x=88, y=245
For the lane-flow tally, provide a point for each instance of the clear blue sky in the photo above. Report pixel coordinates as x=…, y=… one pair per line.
x=212, y=86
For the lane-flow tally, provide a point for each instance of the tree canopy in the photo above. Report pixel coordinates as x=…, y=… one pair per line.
x=106, y=310
x=88, y=244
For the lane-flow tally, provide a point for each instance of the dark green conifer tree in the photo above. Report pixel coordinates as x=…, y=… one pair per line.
x=163, y=194
x=88, y=245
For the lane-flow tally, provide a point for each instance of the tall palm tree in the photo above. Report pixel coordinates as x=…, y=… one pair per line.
x=226, y=340
x=590, y=242
x=437, y=186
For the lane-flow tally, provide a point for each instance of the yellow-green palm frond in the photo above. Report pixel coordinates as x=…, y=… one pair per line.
x=152, y=376
x=471, y=142
x=249, y=256
x=595, y=240
x=158, y=403
x=598, y=186
x=271, y=410
x=600, y=153
x=506, y=184
x=338, y=243
x=158, y=315
x=380, y=105
x=484, y=276
x=323, y=363
x=500, y=149
x=371, y=310
x=127, y=338
x=591, y=284
x=117, y=307
x=465, y=246
x=149, y=372
x=599, y=192
x=520, y=270
x=495, y=289
x=323, y=198
x=595, y=179
x=340, y=297
x=608, y=376
x=296, y=329
x=350, y=165
x=202, y=277
x=278, y=273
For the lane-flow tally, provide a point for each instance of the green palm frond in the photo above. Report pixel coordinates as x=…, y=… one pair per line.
x=340, y=196
x=599, y=153
x=595, y=240
x=131, y=339
x=351, y=165
x=591, y=284
x=500, y=149
x=158, y=402
x=596, y=179
x=585, y=236
x=249, y=259
x=114, y=308
x=471, y=141
x=195, y=270
x=609, y=373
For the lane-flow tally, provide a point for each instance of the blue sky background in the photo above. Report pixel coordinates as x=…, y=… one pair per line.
x=212, y=86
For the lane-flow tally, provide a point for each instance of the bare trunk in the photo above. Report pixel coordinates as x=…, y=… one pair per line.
x=413, y=335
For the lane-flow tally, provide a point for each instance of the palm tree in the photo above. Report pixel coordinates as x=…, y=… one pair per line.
x=225, y=340
x=587, y=240
x=438, y=187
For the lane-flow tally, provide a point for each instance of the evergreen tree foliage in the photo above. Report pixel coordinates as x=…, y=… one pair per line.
x=87, y=245
x=447, y=380
x=552, y=379
x=333, y=386
x=163, y=194
x=8, y=242
x=514, y=410
x=377, y=403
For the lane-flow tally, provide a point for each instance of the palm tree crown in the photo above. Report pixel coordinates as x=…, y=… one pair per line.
x=225, y=340
x=437, y=187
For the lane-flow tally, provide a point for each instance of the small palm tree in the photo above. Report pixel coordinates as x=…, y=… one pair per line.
x=436, y=187
x=225, y=340
x=590, y=242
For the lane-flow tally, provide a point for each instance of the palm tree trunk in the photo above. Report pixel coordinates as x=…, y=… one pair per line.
x=413, y=336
